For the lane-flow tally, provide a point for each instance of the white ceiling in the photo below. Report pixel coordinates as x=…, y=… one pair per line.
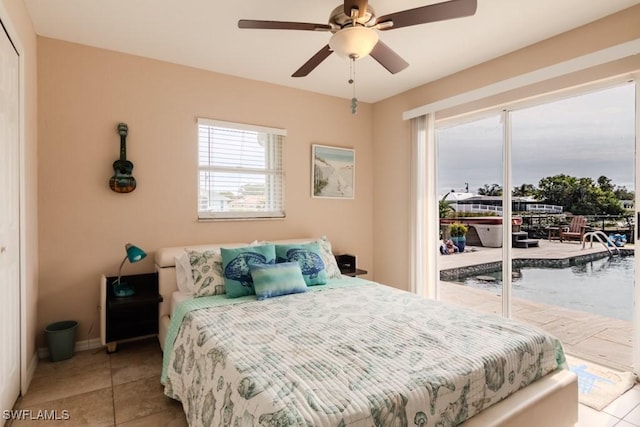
x=204, y=34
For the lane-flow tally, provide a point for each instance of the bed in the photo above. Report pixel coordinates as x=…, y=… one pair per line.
x=354, y=353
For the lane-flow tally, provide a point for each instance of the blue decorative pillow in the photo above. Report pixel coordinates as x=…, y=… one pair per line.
x=309, y=257
x=274, y=280
x=235, y=267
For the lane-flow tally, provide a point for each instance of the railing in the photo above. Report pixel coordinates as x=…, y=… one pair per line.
x=602, y=238
x=478, y=208
x=482, y=208
x=542, y=208
x=537, y=225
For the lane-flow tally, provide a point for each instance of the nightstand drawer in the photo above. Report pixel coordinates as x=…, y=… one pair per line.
x=132, y=321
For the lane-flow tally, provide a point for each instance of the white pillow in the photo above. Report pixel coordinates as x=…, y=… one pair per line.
x=330, y=263
x=183, y=274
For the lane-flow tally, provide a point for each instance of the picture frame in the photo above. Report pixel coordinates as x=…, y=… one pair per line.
x=333, y=172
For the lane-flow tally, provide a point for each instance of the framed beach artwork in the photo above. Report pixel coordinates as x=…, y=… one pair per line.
x=333, y=172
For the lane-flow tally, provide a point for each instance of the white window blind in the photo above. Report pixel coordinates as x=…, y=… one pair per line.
x=241, y=171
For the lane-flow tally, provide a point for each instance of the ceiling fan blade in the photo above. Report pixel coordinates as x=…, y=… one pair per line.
x=431, y=13
x=312, y=63
x=361, y=5
x=282, y=25
x=388, y=58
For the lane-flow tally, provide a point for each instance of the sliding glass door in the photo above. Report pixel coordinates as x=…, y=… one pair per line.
x=546, y=191
x=576, y=157
x=470, y=197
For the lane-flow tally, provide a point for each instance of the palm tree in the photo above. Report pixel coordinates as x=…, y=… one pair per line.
x=490, y=190
x=524, y=190
x=444, y=207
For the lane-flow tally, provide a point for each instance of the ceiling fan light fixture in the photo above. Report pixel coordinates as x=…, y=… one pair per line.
x=354, y=42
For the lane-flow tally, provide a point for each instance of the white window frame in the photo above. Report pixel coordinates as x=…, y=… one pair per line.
x=274, y=171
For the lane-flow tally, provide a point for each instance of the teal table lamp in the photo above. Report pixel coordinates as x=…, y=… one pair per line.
x=134, y=254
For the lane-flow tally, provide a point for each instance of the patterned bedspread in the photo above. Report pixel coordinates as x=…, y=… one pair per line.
x=353, y=353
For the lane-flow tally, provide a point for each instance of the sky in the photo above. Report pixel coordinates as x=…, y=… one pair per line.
x=583, y=136
x=334, y=154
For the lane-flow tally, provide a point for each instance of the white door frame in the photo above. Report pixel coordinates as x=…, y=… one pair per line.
x=17, y=42
x=635, y=358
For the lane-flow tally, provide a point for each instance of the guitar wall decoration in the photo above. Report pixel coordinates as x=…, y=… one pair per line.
x=122, y=181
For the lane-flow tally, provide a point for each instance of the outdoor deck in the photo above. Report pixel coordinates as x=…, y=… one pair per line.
x=589, y=336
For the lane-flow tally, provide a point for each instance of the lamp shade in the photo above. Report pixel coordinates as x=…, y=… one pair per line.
x=354, y=42
x=134, y=253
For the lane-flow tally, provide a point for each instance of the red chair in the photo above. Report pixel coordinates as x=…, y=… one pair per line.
x=575, y=230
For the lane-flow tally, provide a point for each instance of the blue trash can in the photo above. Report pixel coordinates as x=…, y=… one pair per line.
x=61, y=339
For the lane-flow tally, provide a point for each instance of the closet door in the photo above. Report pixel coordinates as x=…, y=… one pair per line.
x=9, y=224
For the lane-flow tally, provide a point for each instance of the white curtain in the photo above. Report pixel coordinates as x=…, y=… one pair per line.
x=424, y=208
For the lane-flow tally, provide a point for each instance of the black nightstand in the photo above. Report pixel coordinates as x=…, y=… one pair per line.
x=355, y=273
x=347, y=265
x=134, y=316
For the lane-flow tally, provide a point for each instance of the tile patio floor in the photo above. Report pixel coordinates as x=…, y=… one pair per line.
x=592, y=337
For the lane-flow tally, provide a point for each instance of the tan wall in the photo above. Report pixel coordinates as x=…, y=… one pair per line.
x=84, y=92
x=391, y=145
x=21, y=23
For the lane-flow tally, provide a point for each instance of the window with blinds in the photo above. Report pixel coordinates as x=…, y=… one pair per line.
x=241, y=171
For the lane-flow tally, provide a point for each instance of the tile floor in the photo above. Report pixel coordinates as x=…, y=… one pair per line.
x=100, y=389
x=123, y=389
x=622, y=412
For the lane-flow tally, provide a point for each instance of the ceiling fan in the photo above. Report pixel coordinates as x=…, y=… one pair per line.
x=353, y=26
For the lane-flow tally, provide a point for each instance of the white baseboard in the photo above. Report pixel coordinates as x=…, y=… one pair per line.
x=90, y=344
x=31, y=370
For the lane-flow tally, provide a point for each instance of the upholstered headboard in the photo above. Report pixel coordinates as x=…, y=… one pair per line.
x=165, y=264
x=165, y=261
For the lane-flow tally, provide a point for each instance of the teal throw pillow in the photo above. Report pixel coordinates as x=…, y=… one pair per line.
x=235, y=267
x=309, y=257
x=274, y=280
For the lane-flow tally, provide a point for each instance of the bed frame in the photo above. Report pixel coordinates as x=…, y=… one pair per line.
x=550, y=401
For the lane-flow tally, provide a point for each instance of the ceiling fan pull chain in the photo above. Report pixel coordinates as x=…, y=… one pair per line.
x=352, y=81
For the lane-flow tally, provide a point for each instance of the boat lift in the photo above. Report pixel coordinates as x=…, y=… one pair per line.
x=601, y=237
